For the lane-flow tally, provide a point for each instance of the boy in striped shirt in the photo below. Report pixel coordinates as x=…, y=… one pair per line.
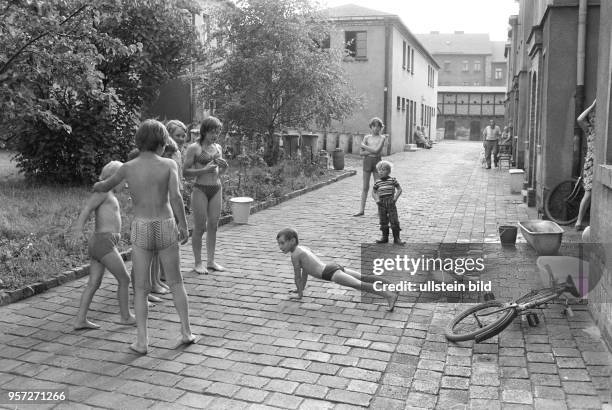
x=385, y=192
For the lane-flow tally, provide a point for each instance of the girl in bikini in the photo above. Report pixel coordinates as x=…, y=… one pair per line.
x=203, y=160
x=371, y=149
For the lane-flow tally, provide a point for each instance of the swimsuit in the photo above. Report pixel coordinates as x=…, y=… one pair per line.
x=370, y=161
x=102, y=243
x=154, y=234
x=209, y=190
x=204, y=157
x=329, y=270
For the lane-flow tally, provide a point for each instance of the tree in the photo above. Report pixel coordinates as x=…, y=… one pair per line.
x=276, y=73
x=74, y=80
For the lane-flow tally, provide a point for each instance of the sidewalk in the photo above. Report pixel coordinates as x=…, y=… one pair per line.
x=261, y=350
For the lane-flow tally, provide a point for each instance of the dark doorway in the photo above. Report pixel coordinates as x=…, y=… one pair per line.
x=475, y=130
x=449, y=130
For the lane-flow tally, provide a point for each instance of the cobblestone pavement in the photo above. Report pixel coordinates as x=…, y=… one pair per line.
x=260, y=350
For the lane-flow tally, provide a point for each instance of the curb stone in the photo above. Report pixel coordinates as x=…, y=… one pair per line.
x=8, y=297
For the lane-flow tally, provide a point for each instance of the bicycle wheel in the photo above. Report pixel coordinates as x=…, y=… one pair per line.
x=480, y=319
x=561, y=206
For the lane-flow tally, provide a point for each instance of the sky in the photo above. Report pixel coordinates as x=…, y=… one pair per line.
x=446, y=16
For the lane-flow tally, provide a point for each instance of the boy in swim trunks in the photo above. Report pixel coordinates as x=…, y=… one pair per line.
x=153, y=182
x=103, y=251
x=305, y=263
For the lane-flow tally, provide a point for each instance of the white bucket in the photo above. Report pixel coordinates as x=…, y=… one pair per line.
x=241, y=208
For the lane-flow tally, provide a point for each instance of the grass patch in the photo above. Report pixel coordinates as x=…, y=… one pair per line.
x=35, y=220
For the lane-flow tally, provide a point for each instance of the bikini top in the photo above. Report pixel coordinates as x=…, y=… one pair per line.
x=204, y=157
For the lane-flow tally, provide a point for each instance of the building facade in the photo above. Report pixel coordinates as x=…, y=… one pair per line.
x=390, y=69
x=464, y=111
x=547, y=90
x=600, y=300
x=471, y=83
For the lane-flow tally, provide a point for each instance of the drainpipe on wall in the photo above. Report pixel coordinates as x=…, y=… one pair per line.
x=579, y=96
x=386, y=116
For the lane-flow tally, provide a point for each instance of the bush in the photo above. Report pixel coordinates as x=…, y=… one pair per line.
x=101, y=131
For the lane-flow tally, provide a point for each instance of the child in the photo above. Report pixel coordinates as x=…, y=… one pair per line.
x=385, y=192
x=157, y=286
x=103, y=251
x=307, y=263
x=154, y=186
x=370, y=149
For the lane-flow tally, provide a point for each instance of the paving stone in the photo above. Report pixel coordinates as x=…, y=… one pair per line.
x=282, y=386
x=583, y=402
x=549, y=404
x=484, y=392
x=574, y=374
x=344, y=396
x=453, y=382
x=483, y=404
x=582, y=388
x=421, y=400
x=312, y=390
x=284, y=401
x=548, y=392
x=517, y=396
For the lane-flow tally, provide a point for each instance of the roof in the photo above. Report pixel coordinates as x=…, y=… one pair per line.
x=351, y=10
x=470, y=89
x=498, y=48
x=456, y=43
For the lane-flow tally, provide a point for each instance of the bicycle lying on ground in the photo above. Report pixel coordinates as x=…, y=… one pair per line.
x=483, y=321
x=563, y=202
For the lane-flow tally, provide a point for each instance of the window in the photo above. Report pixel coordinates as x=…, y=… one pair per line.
x=447, y=66
x=408, y=65
x=404, y=55
x=498, y=74
x=465, y=66
x=356, y=43
x=477, y=66
x=476, y=82
x=466, y=83
x=399, y=102
x=403, y=104
x=412, y=61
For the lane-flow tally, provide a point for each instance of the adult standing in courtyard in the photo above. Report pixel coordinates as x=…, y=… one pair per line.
x=491, y=136
x=203, y=160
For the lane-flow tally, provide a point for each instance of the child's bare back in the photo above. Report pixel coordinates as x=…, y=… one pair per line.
x=149, y=178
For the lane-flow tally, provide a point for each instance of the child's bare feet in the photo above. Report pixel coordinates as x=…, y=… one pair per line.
x=160, y=290
x=200, y=269
x=215, y=266
x=138, y=348
x=392, y=301
x=85, y=324
x=131, y=320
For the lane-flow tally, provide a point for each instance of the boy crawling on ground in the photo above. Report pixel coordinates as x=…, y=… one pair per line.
x=154, y=187
x=305, y=263
x=103, y=251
